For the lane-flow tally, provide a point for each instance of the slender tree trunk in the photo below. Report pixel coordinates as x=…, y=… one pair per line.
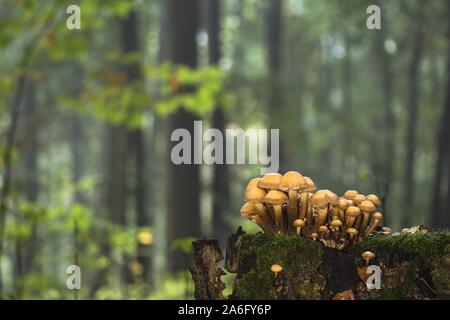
x=130, y=44
x=184, y=180
x=413, y=109
x=275, y=101
x=221, y=195
x=347, y=104
x=440, y=205
x=383, y=161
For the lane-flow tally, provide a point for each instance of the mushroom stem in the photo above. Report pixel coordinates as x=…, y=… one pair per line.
x=309, y=216
x=265, y=219
x=278, y=210
x=291, y=210
x=364, y=222
x=321, y=217
x=303, y=205
x=376, y=220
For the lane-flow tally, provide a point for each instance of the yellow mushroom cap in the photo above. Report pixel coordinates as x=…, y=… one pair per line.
x=270, y=181
x=314, y=235
x=359, y=198
x=367, y=206
x=248, y=210
x=292, y=180
x=377, y=216
x=343, y=204
x=323, y=229
x=276, y=197
x=252, y=184
x=276, y=268
x=299, y=223
x=255, y=194
x=353, y=211
x=323, y=198
x=352, y=231
x=350, y=194
x=372, y=197
x=368, y=255
x=310, y=185
x=336, y=223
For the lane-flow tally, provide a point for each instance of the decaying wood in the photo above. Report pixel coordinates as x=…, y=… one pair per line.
x=205, y=272
x=232, y=252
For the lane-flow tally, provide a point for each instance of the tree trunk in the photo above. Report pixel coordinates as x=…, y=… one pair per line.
x=184, y=180
x=130, y=44
x=440, y=205
x=275, y=100
x=221, y=194
x=383, y=161
x=413, y=109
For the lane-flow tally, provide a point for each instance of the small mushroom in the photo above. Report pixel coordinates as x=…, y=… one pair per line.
x=405, y=230
x=386, y=229
x=359, y=198
x=277, y=199
x=323, y=229
x=314, y=236
x=351, y=214
x=292, y=182
x=376, y=218
x=367, y=207
x=298, y=225
x=256, y=196
x=270, y=181
x=342, y=205
x=350, y=194
x=336, y=224
x=276, y=269
x=352, y=232
x=374, y=198
x=367, y=256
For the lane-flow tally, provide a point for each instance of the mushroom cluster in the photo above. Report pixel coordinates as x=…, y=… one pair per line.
x=289, y=204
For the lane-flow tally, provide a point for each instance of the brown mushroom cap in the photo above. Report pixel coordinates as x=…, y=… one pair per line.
x=350, y=194
x=252, y=184
x=276, y=268
x=372, y=197
x=314, y=235
x=367, y=255
x=276, y=197
x=353, y=211
x=310, y=185
x=292, y=180
x=359, y=198
x=270, y=181
x=299, y=223
x=248, y=210
x=352, y=231
x=343, y=204
x=323, y=198
x=255, y=194
x=336, y=223
x=377, y=216
x=323, y=229
x=367, y=206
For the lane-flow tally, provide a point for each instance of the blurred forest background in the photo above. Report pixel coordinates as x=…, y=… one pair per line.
x=86, y=117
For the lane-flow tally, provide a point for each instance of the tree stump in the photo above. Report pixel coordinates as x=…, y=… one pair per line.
x=413, y=266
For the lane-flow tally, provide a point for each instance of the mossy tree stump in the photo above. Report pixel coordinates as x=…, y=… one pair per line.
x=413, y=266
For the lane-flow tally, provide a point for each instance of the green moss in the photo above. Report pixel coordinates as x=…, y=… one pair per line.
x=426, y=245
x=440, y=267
x=299, y=257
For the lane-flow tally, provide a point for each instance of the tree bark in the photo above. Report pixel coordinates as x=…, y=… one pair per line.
x=183, y=194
